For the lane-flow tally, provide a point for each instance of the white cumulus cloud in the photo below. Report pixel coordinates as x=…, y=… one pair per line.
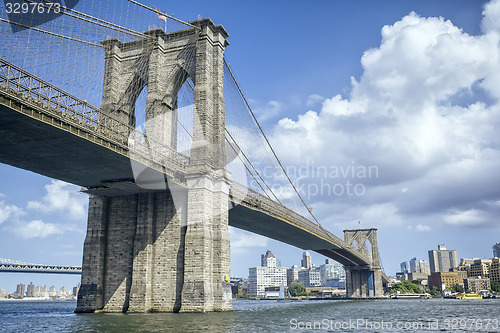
x=425, y=112
x=61, y=197
x=39, y=229
x=9, y=212
x=242, y=240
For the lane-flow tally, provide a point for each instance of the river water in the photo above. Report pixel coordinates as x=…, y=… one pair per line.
x=434, y=315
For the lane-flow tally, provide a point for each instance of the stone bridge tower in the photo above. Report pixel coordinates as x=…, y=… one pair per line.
x=364, y=281
x=145, y=251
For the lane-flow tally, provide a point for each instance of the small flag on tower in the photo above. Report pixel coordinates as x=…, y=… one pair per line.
x=160, y=14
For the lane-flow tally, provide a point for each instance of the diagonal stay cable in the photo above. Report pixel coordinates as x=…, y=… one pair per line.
x=269, y=144
x=248, y=160
x=257, y=172
x=232, y=147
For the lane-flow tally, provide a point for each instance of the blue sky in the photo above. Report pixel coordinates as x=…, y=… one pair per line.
x=386, y=84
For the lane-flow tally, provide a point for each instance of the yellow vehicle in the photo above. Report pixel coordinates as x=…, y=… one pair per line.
x=471, y=296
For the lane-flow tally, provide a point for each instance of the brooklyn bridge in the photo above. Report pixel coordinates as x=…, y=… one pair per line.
x=152, y=124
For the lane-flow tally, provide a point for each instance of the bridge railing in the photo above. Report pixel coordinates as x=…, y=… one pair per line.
x=46, y=95
x=256, y=200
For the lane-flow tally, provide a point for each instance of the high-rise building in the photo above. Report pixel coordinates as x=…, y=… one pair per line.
x=260, y=278
x=496, y=250
x=424, y=267
x=413, y=265
x=404, y=267
x=480, y=267
x=31, y=290
x=442, y=260
x=268, y=259
x=76, y=289
x=495, y=270
x=20, y=289
x=306, y=260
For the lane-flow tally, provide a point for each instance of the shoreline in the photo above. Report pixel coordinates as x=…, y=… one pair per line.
x=36, y=299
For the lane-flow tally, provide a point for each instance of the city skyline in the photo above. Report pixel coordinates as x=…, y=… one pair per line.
x=418, y=192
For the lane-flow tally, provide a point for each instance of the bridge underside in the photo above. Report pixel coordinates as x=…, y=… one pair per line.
x=31, y=144
x=269, y=226
x=35, y=141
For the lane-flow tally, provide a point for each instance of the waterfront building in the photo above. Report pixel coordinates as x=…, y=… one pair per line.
x=475, y=284
x=442, y=260
x=486, y=268
x=306, y=260
x=332, y=274
x=260, y=278
x=415, y=276
x=449, y=279
x=310, y=277
x=496, y=250
x=292, y=274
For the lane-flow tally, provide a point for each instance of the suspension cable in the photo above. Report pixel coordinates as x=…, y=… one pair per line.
x=50, y=33
x=269, y=144
x=89, y=18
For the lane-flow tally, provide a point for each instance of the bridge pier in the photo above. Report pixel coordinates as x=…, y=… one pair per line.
x=364, y=281
x=133, y=255
x=156, y=249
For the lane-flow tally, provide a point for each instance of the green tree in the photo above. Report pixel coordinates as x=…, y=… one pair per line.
x=243, y=294
x=435, y=291
x=457, y=288
x=495, y=286
x=406, y=287
x=296, y=289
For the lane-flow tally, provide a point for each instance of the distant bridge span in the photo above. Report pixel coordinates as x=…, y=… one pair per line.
x=11, y=266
